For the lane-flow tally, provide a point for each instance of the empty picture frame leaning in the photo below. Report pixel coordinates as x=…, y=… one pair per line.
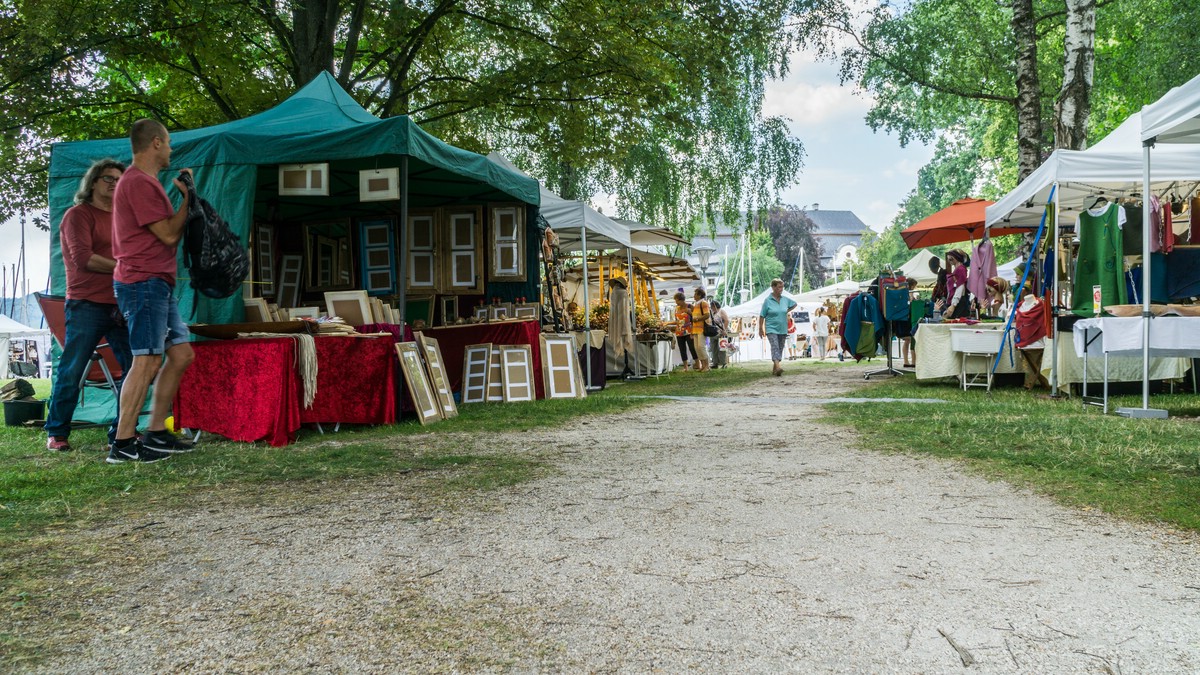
x=437, y=375
x=517, y=363
x=527, y=310
x=290, y=267
x=560, y=367
x=449, y=309
x=352, y=306
x=256, y=310
x=477, y=373
x=495, y=390
x=424, y=400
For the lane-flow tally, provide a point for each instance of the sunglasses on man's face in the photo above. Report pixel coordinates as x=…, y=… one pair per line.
x=111, y=180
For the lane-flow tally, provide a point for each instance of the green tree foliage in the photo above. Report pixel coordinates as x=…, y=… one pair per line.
x=657, y=102
x=791, y=232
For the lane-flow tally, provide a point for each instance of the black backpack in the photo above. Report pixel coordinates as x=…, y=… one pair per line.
x=214, y=255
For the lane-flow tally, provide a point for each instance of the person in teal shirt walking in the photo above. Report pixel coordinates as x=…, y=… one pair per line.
x=772, y=324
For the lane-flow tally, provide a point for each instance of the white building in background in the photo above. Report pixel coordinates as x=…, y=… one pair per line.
x=839, y=233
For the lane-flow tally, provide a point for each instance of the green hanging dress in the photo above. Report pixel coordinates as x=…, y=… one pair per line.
x=1101, y=261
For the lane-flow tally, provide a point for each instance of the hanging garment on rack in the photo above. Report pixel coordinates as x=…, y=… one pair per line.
x=1158, y=281
x=1194, y=221
x=983, y=267
x=1131, y=231
x=1101, y=259
x=1168, y=231
x=861, y=322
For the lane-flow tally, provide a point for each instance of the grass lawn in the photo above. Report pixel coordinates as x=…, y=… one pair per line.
x=1145, y=470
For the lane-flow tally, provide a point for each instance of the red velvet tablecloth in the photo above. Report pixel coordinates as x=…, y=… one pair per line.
x=245, y=390
x=454, y=340
x=356, y=381
x=250, y=389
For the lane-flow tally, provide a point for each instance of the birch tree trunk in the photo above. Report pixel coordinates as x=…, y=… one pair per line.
x=1073, y=105
x=1029, y=89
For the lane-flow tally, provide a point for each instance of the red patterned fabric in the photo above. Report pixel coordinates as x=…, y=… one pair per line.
x=454, y=340
x=356, y=381
x=244, y=390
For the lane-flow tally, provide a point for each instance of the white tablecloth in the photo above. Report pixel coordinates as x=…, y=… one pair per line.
x=1169, y=336
x=936, y=359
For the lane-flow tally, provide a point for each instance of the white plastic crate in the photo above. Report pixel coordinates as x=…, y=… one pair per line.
x=975, y=340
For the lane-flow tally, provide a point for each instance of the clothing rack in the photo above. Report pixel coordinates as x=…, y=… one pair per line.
x=898, y=282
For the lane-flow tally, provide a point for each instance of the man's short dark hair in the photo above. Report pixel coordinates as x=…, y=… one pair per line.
x=143, y=133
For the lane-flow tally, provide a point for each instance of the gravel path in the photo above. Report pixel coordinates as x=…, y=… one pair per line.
x=762, y=542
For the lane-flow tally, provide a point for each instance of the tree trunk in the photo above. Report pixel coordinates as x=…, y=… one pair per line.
x=1029, y=90
x=313, y=26
x=1073, y=105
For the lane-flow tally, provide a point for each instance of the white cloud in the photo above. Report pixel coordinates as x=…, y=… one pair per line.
x=809, y=103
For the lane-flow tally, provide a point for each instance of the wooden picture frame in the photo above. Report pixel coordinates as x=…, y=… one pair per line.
x=476, y=373
x=560, y=367
x=436, y=370
x=516, y=362
x=495, y=390
x=302, y=312
x=256, y=310
x=290, y=269
x=354, y=307
x=483, y=312
x=378, y=185
x=377, y=313
x=527, y=310
x=424, y=401
x=500, y=312
x=304, y=180
x=419, y=308
x=449, y=309
x=264, y=254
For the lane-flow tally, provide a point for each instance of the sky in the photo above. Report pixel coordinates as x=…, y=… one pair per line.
x=847, y=166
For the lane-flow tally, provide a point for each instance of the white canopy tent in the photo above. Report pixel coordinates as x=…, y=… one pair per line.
x=1173, y=120
x=917, y=268
x=14, y=330
x=1113, y=167
x=753, y=306
x=839, y=290
x=643, y=235
x=1009, y=270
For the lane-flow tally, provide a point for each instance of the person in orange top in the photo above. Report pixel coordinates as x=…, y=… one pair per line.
x=700, y=316
x=683, y=330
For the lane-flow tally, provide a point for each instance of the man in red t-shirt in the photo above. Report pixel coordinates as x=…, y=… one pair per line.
x=91, y=309
x=146, y=233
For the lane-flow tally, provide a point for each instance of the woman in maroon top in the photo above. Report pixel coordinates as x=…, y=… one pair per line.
x=91, y=308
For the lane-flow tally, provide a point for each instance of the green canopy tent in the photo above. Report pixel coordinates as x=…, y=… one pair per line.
x=235, y=165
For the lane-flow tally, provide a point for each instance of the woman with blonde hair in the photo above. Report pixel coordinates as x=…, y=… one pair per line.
x=701, y=314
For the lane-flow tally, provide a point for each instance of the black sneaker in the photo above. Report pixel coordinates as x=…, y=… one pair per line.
x=134, y=452
x=165, y=441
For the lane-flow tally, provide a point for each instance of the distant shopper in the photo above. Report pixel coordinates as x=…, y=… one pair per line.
x=700, y=316
x=821, y=333
x=720, y=358
x=958, y=302
x=86, y=234
x=146, y=233
x=683, y=330
x=773, y=323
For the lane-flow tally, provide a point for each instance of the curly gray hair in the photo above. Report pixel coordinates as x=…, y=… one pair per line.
x=88, y=184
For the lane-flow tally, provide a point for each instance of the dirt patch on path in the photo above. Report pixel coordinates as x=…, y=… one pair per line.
x=713, y=534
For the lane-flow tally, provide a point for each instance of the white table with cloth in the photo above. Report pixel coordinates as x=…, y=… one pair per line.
x=935, y=357
x=1174, y=341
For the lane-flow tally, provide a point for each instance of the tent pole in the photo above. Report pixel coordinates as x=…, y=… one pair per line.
x=403, y=248
x=587, y=310
x=637, y=370
x=1145, y=410
x=1054, y=292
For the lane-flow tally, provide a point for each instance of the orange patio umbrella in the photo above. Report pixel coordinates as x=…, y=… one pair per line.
x=961, y=221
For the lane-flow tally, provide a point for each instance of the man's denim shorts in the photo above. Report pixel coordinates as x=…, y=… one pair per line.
x=152, y=314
